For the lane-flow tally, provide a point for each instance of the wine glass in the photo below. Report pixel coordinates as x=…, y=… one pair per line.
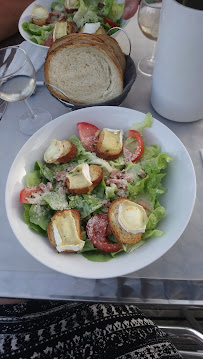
x=17, y=83
x=148, y=21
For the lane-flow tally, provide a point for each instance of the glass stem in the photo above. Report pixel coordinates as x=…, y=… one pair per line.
x=153, y=52
x=32, y=115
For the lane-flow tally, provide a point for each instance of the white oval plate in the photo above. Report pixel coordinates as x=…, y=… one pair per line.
x=180, y=179
x=26, y=17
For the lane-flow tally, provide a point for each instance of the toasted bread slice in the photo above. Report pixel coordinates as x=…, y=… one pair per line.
x=84, y=38
x=39, y=22
x=96, y=175
x=121, y=234
x=60, y=152
x=113, y=44
x=39, y=15
x=110, y=144
x=65, y=224
x=92, y=76
x=73, y=37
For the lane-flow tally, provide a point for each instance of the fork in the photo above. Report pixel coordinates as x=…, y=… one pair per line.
x=3, y=106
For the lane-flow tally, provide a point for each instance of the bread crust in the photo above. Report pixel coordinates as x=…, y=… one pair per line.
x=96, y=175
x=105, y=153
x=111, y=42
x=39, y=22
x=80, y=38
x=70, y=155
x=67, y=155
x=63, y=213
x=120, y=234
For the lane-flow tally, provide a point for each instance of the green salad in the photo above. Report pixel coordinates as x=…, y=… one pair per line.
x=47, y=25
x=136, y=175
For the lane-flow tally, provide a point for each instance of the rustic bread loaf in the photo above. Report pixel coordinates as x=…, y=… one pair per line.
x=84, y=72
x=106, y=43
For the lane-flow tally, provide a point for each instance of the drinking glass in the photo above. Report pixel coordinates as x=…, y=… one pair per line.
x=148, y=21
x=17, y=83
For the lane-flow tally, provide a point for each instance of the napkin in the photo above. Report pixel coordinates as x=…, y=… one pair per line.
x=36, y=54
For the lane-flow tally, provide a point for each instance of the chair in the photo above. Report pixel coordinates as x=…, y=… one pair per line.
x=185, y=333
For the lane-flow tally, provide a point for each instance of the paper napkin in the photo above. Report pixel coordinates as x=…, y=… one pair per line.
x=36, y=54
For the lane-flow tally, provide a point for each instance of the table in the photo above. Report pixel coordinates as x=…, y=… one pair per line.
x=175, y=278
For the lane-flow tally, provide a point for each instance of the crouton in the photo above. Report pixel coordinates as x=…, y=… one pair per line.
x=60, y=152
x=84, y=178
x=64, y=231
x=110, y=144
x=119, y=232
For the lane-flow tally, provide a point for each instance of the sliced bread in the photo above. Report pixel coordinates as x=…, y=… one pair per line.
x=120, y=234
x=59, y=219
x=109, y=147
x=113, y=44
x=87, y=39
x=60, y=152
x=84, y=72
x=79, y=187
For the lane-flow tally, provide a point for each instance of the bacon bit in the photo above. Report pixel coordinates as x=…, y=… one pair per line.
x=49, y=41
x=106, y=203
x=55, y=16
x=142, y=174
x=122, y=192
x=121, y=180
x=60, y=176
x=46, y=188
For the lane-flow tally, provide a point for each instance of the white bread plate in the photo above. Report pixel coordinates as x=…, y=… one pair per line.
x=180, y=179
x=26, y=17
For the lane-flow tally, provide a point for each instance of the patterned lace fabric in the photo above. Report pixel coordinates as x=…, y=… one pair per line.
x=63, y=330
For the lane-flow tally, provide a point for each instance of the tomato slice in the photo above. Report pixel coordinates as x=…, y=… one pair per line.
x=110, y=22
x=87, y=136
x=27, y=192
x=96, y=230
x=132, y=157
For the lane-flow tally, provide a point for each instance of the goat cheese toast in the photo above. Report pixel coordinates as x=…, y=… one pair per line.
x=97, y=195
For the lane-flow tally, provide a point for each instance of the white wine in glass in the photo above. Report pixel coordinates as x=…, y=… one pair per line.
x=17, y=83
x=148, y=20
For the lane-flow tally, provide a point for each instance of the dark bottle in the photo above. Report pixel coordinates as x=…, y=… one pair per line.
x=194, y=4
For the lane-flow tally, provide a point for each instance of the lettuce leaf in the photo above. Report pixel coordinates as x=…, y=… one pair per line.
x=40, y=215
x=139, y=126
x=105, y=11
x=95, y=255
x=45, y=170
x=31, y=225
x=89, y=157
x=116, y=12
x=85, y=204
x=56, y=201
x=33, y=178
x=85, y=14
